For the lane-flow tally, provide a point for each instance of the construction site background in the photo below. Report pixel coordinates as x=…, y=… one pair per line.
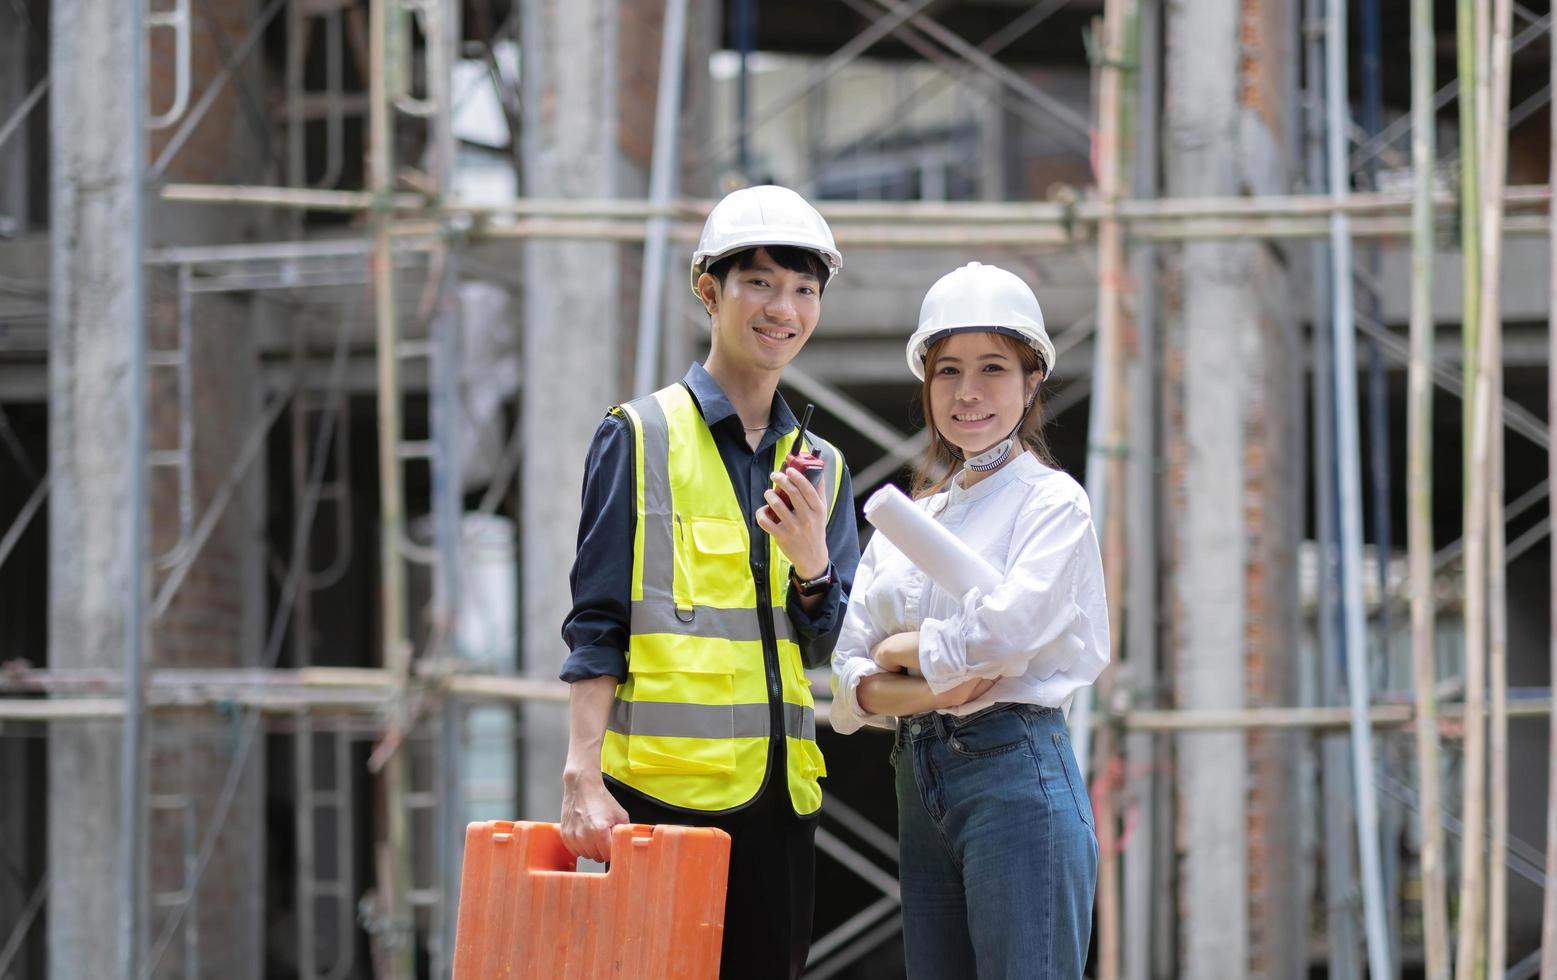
x=309, y=308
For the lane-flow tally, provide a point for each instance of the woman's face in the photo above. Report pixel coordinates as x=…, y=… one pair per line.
x=978, y=391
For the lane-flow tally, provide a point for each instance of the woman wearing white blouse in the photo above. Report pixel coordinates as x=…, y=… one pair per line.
x=998, y=857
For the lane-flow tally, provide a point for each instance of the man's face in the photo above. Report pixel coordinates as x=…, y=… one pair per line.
x=762, y=315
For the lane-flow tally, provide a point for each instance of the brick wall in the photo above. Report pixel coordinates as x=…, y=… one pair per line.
x=205, y=627
x=1271, y=515
x=209, y=623
x=220, y=145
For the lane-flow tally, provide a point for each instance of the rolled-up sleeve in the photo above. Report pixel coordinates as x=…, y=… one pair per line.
x=1032, y=614
x=596, y=629
x=852, y=661
x=817, y=631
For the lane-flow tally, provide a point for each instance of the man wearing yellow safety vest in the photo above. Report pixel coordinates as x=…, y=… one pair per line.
x=701, y=593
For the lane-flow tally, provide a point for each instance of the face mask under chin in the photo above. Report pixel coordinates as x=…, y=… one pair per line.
x=990, y=459
x=995, y=456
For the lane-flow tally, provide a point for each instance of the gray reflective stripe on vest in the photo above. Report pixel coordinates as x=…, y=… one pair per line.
x=830, y=459
x=659, y=558
x=664, y=719
x=799, y=721
x=661, y=616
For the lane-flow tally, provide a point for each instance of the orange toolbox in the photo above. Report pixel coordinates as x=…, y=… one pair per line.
x=657, y=913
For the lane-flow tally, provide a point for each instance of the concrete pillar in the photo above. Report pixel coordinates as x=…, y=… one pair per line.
x=591, y=69
x=1232, y=373
x=571, y=348
x=95, y=283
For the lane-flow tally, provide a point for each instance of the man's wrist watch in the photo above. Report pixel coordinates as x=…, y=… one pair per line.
x=812, y=586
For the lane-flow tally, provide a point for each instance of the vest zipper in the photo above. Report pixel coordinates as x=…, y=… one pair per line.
x=769, y=653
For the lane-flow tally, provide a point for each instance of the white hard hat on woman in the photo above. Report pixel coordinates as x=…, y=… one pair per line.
x=980, y=297
x=985, y=299
x=765, y=215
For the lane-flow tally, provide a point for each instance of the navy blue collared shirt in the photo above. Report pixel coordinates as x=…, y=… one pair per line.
x=597, y=628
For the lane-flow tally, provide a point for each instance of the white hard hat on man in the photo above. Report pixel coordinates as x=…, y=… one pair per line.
x=754, y=217
x=983, y=298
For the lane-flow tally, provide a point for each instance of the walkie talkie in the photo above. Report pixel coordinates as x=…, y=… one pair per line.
x=802, y=459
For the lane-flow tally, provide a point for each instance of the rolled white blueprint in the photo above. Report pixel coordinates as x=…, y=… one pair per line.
x=939, y=553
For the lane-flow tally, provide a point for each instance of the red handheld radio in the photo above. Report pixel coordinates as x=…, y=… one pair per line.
x=808, y=463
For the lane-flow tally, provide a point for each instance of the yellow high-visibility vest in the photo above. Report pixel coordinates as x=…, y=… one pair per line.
x=692, y=722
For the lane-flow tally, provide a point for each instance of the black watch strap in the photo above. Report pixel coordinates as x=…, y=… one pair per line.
x=815, y=586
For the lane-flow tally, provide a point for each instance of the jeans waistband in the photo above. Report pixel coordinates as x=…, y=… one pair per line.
x=935, y=724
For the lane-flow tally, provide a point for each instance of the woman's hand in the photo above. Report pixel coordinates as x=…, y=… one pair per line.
x=898, y=652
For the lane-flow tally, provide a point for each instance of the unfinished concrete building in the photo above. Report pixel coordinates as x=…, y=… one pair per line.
x=309, y=308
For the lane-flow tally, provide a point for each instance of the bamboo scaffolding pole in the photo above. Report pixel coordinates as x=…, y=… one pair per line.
x=1472, y=856
x=1496, y=149
x=1471, y=934
x=420, y=234
x=844, y=213
x=366, y=692
x=134, y=821
x=1435, y=921
x=1337, y=718
x=442, y=22
x=1143, y=855
x=967, y=235
x=395, y=930
x=1119, y=17
x=1549, y=893
x=904, y=225
x=275, y=688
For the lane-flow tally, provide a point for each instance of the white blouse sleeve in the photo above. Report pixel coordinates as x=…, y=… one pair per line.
x=1053, y=549
x=851, y=655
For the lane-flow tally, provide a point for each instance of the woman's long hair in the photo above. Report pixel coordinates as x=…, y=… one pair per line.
x=939, y=462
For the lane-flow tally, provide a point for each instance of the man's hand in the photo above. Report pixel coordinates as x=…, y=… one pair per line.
x=898, y=652
x=589, y=811
x=799, y=528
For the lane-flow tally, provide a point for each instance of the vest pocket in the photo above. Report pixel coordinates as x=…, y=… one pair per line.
x=653, y=754
x=720, y=565
x=808, y=760
x=683, y=718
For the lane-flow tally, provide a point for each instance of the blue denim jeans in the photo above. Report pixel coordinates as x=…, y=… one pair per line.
x=998, y=859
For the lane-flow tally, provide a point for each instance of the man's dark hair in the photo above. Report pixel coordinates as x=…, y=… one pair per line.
x=791, y=257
